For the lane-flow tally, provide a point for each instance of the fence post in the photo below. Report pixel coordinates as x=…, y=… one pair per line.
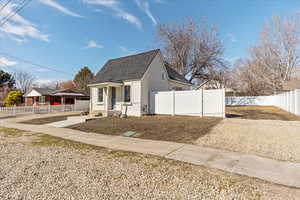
x=202, y=102
x=296, y=102
x=224, y=102
x=173, y=103
x=14, y=110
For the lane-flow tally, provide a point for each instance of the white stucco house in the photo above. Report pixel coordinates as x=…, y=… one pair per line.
x=124, y=84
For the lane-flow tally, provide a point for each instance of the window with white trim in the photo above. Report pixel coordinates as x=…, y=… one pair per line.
x=127, y=93
x=42, y=99
x=100, y=95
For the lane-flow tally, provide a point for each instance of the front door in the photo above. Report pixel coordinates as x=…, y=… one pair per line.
x=113, y=98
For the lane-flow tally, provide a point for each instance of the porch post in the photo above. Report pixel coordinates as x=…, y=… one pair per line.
x=107, y=99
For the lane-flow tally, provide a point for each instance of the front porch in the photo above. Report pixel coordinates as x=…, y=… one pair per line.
x=110, y=99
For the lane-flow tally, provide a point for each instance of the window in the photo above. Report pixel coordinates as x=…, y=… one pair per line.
x=127, y=93
x=100, y=94
x=42, y=100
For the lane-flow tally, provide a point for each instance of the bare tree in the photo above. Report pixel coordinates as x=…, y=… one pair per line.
x=24, y=80
x=194, y=50
x=67, y=85
x=275, y=59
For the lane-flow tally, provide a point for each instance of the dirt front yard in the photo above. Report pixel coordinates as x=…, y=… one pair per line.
x=259, y=113
x=268, y=138
x=35, y=166
x=167, y=128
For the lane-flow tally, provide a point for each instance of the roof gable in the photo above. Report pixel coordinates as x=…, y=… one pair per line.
x=125, y=68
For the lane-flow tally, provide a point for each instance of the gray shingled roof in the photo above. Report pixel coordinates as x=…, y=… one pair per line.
x=44, y=91
x=48, y=91
x=173, y=75
x=131, y=67
x=125, y=68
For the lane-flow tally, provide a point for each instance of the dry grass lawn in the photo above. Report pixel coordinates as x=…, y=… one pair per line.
x=47, y=120
x=167, y=128
x=260, y=113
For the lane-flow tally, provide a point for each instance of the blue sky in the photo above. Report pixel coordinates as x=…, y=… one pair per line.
x=69, y=34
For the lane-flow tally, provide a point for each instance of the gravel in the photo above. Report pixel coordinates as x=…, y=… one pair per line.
x=34, y=170
x=269, y=138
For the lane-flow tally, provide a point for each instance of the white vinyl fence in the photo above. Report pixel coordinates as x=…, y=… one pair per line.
x=21, y=110
x=191, y=103
x=289, y=101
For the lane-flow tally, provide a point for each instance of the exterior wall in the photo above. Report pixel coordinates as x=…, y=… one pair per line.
x=152, y=82
x=132, y=108
x=95, y=105
x=33, y=93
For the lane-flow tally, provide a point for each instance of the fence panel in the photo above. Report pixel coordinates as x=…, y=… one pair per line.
x=214, y=103
x=20, y=110
x=191, y=103
x=289, y=101
x=188, y=103
x=161, y=103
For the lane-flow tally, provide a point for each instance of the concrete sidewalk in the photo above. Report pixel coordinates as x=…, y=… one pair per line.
x=280, y=172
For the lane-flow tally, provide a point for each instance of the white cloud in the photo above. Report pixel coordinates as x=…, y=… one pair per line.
x=160, y=1
x=144, y=6
x=23, y=31
x=59, y=7
x=45, y=83
x=116, y=7
x=93, y=44
x=18, y=28
x=4, y=62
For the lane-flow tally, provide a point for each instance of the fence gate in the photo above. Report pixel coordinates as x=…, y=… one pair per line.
x=191, y=103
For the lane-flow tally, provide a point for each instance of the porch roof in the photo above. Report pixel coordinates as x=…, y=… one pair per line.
x=106, y=84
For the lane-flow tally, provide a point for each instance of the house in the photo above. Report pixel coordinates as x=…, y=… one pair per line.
x=46, y=96
x=291, y=85
x=214, y=84
x=123, y=85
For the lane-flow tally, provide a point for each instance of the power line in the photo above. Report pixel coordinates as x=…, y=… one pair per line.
x=37, y=65
x=5, y=4
x=13, y=13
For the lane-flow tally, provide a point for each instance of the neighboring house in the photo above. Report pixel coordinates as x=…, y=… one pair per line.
x=209, y=85
x=213, y=84
x=124, y=84
x=46, y=96
x=291, y=85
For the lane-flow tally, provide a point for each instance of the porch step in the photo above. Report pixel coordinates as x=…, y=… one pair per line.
x=114, y=113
